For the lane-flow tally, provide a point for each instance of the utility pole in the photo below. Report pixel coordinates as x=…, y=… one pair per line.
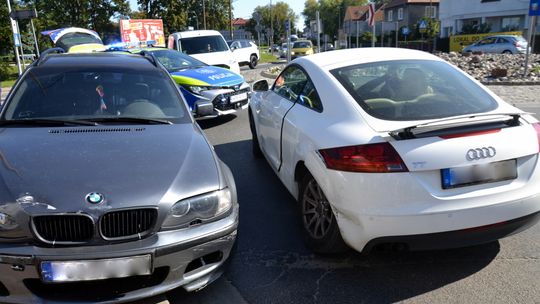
x=317, y=15
x=16, y=37
x=272, y=25
x=230, y=19
x=204, y=14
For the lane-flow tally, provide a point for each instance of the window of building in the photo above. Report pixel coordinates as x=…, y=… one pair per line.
x=400, y=13
x=430, y=12
x=390, y=16
x=510, y=23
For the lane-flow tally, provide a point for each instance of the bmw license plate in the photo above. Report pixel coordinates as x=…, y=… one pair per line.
x=237, y=98
x=479, y=174
x=87, y=270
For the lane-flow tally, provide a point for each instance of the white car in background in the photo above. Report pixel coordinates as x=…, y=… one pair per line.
x=246, y=52
x=385, y=145
x=208, y=46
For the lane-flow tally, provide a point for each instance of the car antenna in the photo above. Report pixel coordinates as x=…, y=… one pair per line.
x=47, y=52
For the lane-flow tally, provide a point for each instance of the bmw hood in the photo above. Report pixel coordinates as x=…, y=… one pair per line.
x=207, y=76
x=130, y=166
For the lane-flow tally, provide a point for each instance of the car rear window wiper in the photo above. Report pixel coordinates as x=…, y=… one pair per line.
x=134, y=120
x=47, y=122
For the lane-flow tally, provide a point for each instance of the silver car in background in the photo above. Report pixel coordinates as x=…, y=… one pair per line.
x=499, y=44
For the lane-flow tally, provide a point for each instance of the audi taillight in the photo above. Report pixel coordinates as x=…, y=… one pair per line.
x=537, y=128
x=371, y=158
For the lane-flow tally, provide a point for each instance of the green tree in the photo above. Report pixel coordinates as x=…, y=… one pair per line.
x=177, y=15
x=278, y=13
x=331, y=12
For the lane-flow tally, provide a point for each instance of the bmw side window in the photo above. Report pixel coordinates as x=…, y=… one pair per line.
x=310, y=98
x=290, y=83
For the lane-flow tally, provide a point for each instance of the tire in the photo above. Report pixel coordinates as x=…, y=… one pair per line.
x=253, y=60
x=255, y=147
x=507, y=52
x=321, y=231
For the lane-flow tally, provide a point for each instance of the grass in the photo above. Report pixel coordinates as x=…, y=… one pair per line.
x=267, y=57
x=8, y=83
x=13, y=74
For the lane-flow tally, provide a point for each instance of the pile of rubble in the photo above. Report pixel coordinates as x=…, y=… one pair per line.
x=497, y=68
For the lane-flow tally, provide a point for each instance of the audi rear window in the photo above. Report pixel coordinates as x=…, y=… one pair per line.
x=413, y=90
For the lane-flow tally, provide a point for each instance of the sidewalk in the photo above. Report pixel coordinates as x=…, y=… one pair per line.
x=517, y=94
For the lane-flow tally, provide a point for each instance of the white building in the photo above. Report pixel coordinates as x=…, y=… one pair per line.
x=501, y=15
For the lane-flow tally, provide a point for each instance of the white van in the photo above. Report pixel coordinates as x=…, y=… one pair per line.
x=206, y=45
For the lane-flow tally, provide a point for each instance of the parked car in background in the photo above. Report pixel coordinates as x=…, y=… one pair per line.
x=327, y=47
x=283, y=50
x=208, y=46
x=274, y=48
x=499, y=44
x=301, y=48
x=245, y=52
x=210, y=91
x=396, y=146
x=125, y=199
x=75, y=40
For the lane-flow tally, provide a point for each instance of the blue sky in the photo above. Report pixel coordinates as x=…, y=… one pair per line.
x=244, y=8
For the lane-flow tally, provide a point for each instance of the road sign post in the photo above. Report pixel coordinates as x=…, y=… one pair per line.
x=16, y=37
x=534, y=11
x=288, y=33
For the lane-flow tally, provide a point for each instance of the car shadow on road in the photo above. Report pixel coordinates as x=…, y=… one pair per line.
x=272, y=265
x=214, y=122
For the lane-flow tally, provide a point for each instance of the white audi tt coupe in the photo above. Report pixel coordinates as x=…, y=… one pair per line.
x=397, y=146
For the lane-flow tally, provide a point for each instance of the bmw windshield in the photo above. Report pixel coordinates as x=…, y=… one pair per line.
x=88, y=94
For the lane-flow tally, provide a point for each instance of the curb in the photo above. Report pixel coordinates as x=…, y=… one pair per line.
x=511, y=83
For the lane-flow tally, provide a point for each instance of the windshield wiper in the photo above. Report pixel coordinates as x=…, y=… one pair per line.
x=467, y=122
x=47, y=122
x=134, y=120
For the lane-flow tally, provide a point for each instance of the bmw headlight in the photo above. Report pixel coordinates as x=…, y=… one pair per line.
x=198, y=208
x=7, y=222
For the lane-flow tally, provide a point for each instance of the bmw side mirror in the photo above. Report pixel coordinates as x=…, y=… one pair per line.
x=260, y=86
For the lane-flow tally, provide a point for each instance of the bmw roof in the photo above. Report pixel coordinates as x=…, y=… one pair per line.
x=97, y=60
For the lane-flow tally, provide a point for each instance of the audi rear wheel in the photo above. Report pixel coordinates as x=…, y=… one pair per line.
x=321, y=231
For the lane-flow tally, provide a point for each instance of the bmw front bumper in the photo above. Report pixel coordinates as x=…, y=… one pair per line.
x=189, y=258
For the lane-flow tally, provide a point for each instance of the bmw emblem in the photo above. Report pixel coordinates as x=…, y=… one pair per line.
x=94, y=198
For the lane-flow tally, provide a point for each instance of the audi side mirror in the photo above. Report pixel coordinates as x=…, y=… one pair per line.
x=260, y=86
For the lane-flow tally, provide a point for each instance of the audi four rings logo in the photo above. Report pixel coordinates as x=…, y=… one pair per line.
x=480, y=153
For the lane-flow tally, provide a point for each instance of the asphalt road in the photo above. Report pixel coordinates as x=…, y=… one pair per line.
x=272, y=265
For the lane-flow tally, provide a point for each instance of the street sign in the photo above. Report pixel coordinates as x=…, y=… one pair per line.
x=17, y=39
x=405, y=31
x=534, y=8
x=422, y=26
x=257, y=17
x=23, y=14
x=258, y=27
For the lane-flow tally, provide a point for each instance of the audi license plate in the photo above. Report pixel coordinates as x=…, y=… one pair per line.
x=237, y=98
x=479, y=174
x=87, y=270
